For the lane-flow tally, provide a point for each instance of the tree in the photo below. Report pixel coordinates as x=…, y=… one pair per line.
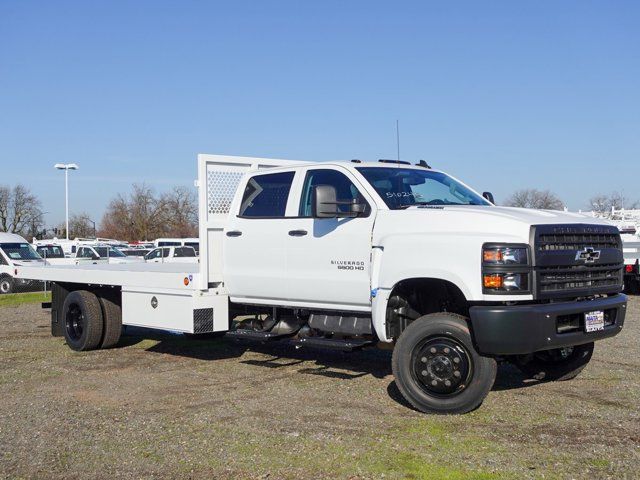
x=81, y=225
x=533, y=198
x=604, y=203
x=20, y=211
x=143, y=215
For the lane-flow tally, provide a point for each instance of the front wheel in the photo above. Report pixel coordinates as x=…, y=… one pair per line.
x=6, y=284
x=437, y=368
x=558, y=364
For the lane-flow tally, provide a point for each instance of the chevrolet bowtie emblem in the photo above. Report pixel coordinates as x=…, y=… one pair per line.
x=589, y=255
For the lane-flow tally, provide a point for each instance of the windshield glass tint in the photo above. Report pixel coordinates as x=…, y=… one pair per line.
x=404, y=187
x=20, y=251
x=102, y=251
x=51, y=251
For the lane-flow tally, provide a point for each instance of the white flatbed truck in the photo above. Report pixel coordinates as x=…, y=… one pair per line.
x=349, y=255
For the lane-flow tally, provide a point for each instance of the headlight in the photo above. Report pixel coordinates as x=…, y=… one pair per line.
x=505, y=268
x=504, y=255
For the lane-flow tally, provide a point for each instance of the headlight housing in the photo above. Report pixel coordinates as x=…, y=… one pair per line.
x=506, y=269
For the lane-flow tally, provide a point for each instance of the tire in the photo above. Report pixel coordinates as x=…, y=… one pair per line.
x=559, y=364
x=6, y=285
x=82, y=320
x=112, y=325
x=438, y=348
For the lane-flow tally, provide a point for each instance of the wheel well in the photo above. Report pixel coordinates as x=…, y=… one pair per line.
x=415, y=297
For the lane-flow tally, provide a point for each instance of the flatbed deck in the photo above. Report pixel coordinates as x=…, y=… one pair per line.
x=147, y=275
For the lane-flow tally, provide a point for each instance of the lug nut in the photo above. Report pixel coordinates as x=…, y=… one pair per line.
x=434, y=383
x=425, y=373
x=423, y=359
x=447, y=350
x=447, y=383
x=433, y=350
x=456, y=360
x=456, y=373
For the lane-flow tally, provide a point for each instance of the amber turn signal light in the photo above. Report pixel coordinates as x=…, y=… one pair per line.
x=492, y=256
x=493, y=281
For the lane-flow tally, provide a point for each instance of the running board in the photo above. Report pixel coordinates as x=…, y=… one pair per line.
x=256, y=335
x=348, y=345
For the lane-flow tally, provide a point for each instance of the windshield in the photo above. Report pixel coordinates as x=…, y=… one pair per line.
x=20, y=251
x=50, y=251
x=404, y=187
x=113, y=252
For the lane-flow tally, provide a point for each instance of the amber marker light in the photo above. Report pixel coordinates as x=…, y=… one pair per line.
x=492, y=256
x=493, y=281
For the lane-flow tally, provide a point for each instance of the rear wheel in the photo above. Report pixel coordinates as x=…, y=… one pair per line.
x=6, y=284
x=83, y=320
x=437, y=368
x=112, y=314
x=557, y=364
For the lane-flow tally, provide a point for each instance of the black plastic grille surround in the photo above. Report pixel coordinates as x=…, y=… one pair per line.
x=560, y=266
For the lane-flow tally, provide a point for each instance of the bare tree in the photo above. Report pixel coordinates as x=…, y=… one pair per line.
x=20, y=211
x=533, y=198
x=181, y=212
x=143, y=215
x=81, y=225
x=604, y=203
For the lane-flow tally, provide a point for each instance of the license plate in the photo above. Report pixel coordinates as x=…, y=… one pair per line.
x=594, y=321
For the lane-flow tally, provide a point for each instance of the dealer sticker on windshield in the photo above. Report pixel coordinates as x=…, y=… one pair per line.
x=594, y=321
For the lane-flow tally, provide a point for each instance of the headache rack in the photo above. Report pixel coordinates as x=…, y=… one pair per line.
x=577, y=260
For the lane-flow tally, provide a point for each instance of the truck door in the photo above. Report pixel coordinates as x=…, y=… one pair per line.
x=328, y=259
x=255, y=239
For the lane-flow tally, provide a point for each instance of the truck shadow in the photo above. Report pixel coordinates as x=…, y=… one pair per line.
x=312, y=361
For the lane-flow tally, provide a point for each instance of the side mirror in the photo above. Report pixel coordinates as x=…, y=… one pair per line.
x=489, y=196
x=324, y=202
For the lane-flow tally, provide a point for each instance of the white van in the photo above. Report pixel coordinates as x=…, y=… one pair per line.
x=15, y=251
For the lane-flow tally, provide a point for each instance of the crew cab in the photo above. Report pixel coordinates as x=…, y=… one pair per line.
x=350, y=255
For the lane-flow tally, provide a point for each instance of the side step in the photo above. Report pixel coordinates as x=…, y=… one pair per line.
x=335, y=344
x=256, y=335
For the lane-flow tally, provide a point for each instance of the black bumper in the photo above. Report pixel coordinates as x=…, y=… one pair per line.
x=522, y=329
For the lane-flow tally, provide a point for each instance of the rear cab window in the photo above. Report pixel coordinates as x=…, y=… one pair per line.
x=266, y=196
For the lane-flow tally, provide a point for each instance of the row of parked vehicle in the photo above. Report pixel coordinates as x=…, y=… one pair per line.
x=15, y=252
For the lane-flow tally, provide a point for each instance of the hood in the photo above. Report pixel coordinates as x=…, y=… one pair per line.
x=493, y=223
x=22, y=263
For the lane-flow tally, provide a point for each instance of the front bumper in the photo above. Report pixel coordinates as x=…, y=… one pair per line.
x=522, y=329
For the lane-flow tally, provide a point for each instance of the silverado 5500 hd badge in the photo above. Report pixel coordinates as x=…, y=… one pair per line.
x=348, y=264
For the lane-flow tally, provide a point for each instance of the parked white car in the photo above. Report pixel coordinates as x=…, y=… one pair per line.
x=15, y=251
x=106, y=253
x=172, y=255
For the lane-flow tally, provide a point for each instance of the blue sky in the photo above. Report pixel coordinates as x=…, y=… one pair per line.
x=504, y=95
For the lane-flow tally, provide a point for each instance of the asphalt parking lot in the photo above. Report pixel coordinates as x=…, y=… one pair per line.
x=162, y=406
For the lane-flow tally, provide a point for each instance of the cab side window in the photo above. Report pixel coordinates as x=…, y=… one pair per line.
x=266, y=195
x=346, y=191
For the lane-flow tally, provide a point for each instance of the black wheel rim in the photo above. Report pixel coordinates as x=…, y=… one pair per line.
x=5, y=286
x=441, y=366
x=74, y=322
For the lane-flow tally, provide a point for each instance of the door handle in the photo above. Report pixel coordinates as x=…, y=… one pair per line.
x=234, y=233
x=297, y=233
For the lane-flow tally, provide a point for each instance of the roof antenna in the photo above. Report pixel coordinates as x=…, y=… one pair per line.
x=398, y=137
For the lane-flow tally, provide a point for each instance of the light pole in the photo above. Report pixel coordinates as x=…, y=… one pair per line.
x=66, y=167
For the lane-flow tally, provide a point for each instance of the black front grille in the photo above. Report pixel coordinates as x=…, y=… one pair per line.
x=557, y=279
x=577, y=260
x=550, y=242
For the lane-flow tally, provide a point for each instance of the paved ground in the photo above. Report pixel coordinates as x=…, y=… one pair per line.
x=166, y=407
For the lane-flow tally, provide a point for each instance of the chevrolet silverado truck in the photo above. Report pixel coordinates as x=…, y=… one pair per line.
x=350, y=255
